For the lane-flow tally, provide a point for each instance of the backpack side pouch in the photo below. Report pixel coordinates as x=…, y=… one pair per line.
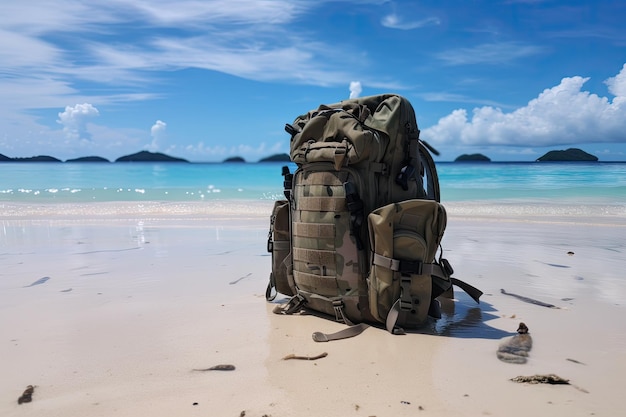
x=279, y=245
x=404, y=238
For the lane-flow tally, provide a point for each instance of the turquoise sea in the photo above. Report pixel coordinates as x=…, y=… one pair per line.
x=588, y=183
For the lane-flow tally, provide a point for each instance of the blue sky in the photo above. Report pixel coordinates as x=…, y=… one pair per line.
x=207, y=80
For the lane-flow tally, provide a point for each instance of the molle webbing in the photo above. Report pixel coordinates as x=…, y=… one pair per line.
x=327, y=268
x=411, y=267
x=317, y=230
x=323, y=285
x=321, y=204
x=314, y=256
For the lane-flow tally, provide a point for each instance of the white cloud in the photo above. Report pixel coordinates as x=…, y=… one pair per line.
x=617, y=84
x=74, y=120
x=245, y=38
x=500, y=52
x=393, y=21
x=355, y=89
x=159, y=135
x=46, y=53
x=564, y=114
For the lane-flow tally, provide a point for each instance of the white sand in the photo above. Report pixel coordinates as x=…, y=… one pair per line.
x=138, y=295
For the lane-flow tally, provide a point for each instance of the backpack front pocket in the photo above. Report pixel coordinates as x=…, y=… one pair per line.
x=403, y=249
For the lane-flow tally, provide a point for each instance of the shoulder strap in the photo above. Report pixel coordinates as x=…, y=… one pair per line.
x=428, y=166
x=351, y=331
x=473, y=292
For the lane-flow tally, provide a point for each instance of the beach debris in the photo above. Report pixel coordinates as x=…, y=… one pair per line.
x=551, y=379
x=217, y=368
x=515, y=349
x=528, y=300
x=38, y=282
x=305, y=358
x=27, y=395
x=239, y=279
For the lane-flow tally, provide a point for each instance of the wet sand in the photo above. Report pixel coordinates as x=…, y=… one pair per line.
x=108, y=309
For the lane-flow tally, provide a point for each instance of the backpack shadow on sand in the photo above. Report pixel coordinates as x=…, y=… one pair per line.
x=460, y=318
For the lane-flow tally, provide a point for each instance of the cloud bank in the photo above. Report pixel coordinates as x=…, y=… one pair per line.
x=394, y=21
x=355, y=89
x=564, y=114
x=159, y=134
x=74, y=120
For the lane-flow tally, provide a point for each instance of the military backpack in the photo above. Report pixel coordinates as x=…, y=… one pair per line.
x=359, y=230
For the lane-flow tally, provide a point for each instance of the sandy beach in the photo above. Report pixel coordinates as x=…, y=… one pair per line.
x=109, y=309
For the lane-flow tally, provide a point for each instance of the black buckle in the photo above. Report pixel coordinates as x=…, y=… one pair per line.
x=287, y=181
x=411, y=267
x=447, y=268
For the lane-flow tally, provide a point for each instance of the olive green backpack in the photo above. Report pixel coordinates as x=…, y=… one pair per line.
x=358, y=234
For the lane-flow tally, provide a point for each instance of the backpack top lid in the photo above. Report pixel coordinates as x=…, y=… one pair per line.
x=346, y=130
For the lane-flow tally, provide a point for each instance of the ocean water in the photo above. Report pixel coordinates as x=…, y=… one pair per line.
x=598, y=184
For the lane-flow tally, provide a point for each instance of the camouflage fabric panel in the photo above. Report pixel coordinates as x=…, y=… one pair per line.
x=337, y=132
x=325, y=259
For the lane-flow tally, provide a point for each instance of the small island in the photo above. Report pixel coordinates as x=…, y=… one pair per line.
x=145, y=156
x=568, y=155
x=38, y=158
x=236, y=159
x=88, y=159
x=475, y=157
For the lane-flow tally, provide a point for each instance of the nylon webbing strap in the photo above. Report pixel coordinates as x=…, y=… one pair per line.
x=270, y=294
x=324, y=285
x=473, y=292
x=281, y=245
x=292, y=306
x=341, y=334
x=320, y=230
x=322, y=204
x=314, y=256
x=340, y=315
x=392, y=319
x=340, y=156
x=396, y=265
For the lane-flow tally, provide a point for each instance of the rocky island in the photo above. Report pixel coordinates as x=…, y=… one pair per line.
x=145, y=156
x=235, y=159
x=38, y=158
x=89, y=159
x=568, y=155
x=475, y=157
